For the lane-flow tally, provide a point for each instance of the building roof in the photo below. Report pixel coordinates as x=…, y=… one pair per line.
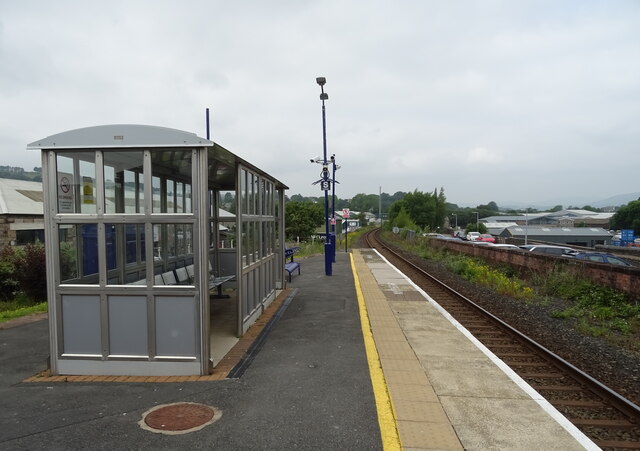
x=20, y=197
x=512, y=218
x=556, y=215
x=134, y=136
x=581, y=214
x=496, y=228
x=120, y=135
x=520, y=231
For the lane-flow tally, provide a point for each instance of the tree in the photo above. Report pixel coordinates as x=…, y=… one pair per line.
x=471, y=227
x=491, y=206
x=628, y=217
x=441, y=208
x=364, y=202
x=301, y=219
x=403, y=220
x=421, y=207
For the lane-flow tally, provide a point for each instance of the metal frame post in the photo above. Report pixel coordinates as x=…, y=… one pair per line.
x=325, y=180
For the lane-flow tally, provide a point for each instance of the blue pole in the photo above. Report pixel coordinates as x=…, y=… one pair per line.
x=333, y=212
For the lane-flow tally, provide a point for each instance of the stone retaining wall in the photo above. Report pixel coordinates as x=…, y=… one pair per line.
x=625, y=279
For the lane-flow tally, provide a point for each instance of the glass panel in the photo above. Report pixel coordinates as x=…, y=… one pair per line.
x=264, y=242
x=170, y=200
x=76, y=174
x=188, y=202
x=125, y=254
x=78, y=253
x=227, y=235
x=171, y=172
x=88, y=177
x=227, y=203
x=245, y=243
x=172, y=245
x=179, y=197
x=243, y=191
x=157, y=194
x=252, y=194
x=123, y=182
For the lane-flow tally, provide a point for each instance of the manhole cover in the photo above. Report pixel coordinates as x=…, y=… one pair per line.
x=179, y=418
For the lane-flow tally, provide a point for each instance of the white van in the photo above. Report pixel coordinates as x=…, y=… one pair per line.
x=472, y=236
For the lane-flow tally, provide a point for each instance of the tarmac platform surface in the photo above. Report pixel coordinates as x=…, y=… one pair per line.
x=360, y=360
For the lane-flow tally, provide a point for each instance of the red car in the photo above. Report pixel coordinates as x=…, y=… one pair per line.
x=487, y=238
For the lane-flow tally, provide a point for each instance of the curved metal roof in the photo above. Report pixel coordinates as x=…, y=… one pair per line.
x=119, y=136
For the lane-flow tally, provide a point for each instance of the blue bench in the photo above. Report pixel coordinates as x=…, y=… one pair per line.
x=291, y=265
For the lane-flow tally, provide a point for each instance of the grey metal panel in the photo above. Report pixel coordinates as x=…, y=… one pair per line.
x=120, y=136
x=175, y=326
x=128, y=325
x=185, y=367
x=228, y=264
x=81, y=324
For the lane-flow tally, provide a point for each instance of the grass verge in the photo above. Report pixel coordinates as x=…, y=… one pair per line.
x=593, y=309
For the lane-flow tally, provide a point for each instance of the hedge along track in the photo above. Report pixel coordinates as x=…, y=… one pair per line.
x=606, y=417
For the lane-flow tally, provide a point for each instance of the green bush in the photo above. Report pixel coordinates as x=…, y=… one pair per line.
x=30, y=267
x=9, y=284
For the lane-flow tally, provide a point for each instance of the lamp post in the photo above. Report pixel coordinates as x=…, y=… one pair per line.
x=325, y=184
x=453, y=214
x=477, y=221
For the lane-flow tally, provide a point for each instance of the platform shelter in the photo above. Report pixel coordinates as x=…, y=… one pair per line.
x=145, y=225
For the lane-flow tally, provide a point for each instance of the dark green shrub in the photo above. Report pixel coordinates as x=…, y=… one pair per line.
x=30, y=266
x=8, y=282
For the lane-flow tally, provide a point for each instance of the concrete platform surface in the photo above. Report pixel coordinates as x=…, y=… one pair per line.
x=447, y=389
x=360, y=360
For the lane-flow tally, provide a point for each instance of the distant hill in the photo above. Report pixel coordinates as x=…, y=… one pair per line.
x=613, y=201
x=616, y=201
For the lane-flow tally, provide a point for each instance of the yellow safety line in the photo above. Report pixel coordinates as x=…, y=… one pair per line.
x=386, y=417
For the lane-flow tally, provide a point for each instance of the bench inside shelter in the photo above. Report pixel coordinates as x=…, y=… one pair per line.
x=185, y=275
x=291, y=265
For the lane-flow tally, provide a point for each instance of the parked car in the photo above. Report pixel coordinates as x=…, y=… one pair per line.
x=509, y=247
x=473, y=236
x=487, y=238
x=601, y=257
x=548, y=249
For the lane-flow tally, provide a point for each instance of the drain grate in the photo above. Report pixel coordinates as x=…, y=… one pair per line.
x=179, y=418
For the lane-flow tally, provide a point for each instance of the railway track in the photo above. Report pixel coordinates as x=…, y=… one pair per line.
x=607, y=418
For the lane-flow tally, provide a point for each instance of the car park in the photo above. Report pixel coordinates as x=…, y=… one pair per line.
x=601, y=257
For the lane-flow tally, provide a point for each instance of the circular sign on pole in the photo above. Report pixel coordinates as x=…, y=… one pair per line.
x=345, y=213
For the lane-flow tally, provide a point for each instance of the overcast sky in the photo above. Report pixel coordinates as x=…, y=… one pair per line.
x=494, y=100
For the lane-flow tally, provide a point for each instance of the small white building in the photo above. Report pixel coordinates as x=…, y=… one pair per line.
x=21, y=212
